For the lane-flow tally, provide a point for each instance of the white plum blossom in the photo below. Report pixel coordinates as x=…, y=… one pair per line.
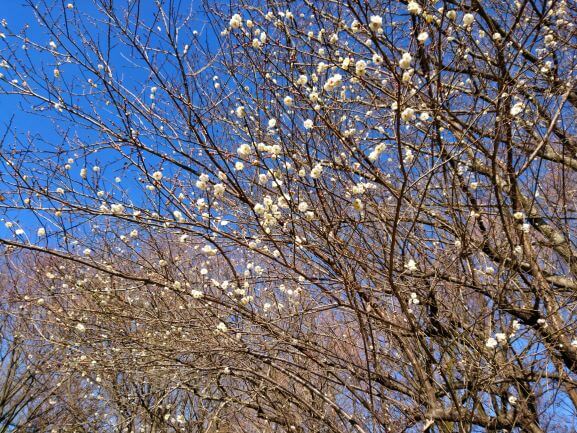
x=209, y=250
x=202, y=182
x=355, y=26
x=196, y=294
x=408, y=114
x=80, y=327
x=221, y=327
x=406, y=60
x=244, y=150
x=333, y=82
x=316, y=171
x=308, y=124
x=468, y=19
x=157, y=175
x=379, y=148
x=376, y=23
x=411, y=265
x=236, y=21
x=414, y=8
x=240, y=111
x=302, y=80
x=491, y=343
x=501, y=337
x=288, y=101
x=219, y=189
x=117, y=208
x=41, y=232
x=360, y=67
x=517, y=109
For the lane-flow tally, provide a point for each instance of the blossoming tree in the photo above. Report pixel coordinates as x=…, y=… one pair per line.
x=303, y=215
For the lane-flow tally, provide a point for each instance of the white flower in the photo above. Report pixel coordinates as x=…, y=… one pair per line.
x=157, y=175
x=468, y=19
x=411, y=265
x=80, y=327
x=414, y=8
x=70, y=6
x=333, y=82
x=288, y=101
x=271, y=123
x=501, y=337
x=240, y=111
x=497, y=36
x=346, y=63
x=358, y=204
x=202, y=182
x=259, y=209
x=221, y=327
x=303, y=206
x=117, y=208
x=517, y=109
x=408, y=114
x=209, y=250
x=519, y=216
x=19, y=232
x=41, y=232
x=134, y=233
x=83, y=173
x=244, y=150
x=377, y=59
x=360, y=67
x=406, y=60
x=236, y=21
x=302, y=80
x=87, y=251
x=491, y=343
x=308, y=124
x=238, y=166
x=196, y=294
x=219, y=189
x=317, y=171
x=512, y=400
x=376, y=23
x=178, y=215
x=56, y=73
x=452, y=14
x=355, y=26
x=423, y=36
